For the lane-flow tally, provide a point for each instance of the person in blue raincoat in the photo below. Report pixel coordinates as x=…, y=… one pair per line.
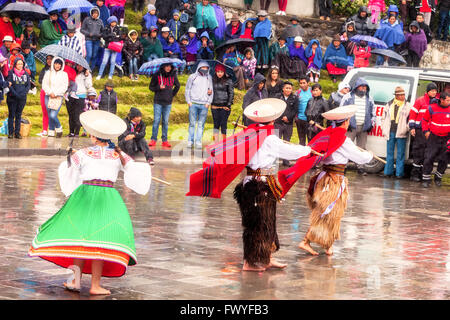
x=262, y=34
x=205, y=49
x=205, y=17
x=391, y=32
x=313, y=53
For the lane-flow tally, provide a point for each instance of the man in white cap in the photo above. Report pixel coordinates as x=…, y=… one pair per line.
x=328, y=192
x=258, y=149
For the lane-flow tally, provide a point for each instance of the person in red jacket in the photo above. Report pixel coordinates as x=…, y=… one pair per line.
x=362, y=55
x=415, y=120
x=6, y=28
x=436, y=128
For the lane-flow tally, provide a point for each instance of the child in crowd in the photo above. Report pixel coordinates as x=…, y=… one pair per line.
x=149, y=19
x=69, y=68
x=30, y=36
x=91, y=102
x=247, y=32
x=188, y=8
x=133, y=51
x=174, y=25
x=205, y=50
x=184, y=41
x=313, y=53
x=107, y=99
x=249, y=65
x=30, y=61
x=173, y=48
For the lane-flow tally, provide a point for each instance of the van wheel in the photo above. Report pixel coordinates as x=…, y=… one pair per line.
x=374, y=166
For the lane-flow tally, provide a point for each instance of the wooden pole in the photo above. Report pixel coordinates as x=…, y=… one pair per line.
x=322, y=128
x=287, y=142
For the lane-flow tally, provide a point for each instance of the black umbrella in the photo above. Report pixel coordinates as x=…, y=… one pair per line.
x=212, y=67
x=26, y=11
x=240, y=43
x=389, y=53
x=292, y=31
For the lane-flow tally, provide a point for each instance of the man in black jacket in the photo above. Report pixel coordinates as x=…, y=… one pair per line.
x=361, y=20
x=284, y=124
x=165, y=85
x=420, y=19
x=132, y=141
x=257, y=92
x=314, y=109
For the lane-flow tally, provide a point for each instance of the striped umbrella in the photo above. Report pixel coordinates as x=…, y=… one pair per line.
x=371, y=41
x=152, y=67
x=82, y=5
x=65, y=53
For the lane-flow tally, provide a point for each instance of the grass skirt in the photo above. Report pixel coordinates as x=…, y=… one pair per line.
x=259, y=221
x=93, y=224
x=325, y=230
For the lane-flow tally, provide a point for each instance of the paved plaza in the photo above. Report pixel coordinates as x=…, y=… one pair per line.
x=395, y=239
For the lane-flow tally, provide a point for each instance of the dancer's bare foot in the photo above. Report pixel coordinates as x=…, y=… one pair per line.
x=248, y=267
x=305, y=246
x=329, y=251
x=98, y=291
x=275, y=264
x=71, y=286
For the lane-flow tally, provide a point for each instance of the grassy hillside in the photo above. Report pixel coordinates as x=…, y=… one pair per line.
x=137, y=94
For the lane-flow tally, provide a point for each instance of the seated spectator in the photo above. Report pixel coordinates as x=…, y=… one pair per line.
x=71, y=41
x=234, y=28
x=257, y=92
x=174, y=25
x=362, y=55
x=133, y=50
x=63, y=19
x=222, y=101
x=90, y=102
x=111, y=35
x=249, y=65
x=187, y=9
x=164, y=37
x=149, y=19
x=298, y=62
x=234, y=59
x=391, y=32
x=164, y=9
x=416, y=44
x=117, y=9
x=336, y=59
x=192, y=48
x=165, y=85
x=132, y=141
x=6, y=47
x=151, y=45
x=15, y=54
x=205, y=48
x=107, y=99
x=313, y=53
x=199, y=96
x=294, y=29
x=314, y=109
x=247, y=31
x=262, y=34
x=205, y=17
x=30, y=36
x=173, y=49
x=50, y=31
x=347, y=35
x=30, y=63
x=184, y=41
x=278, y=47
x=6, y=28
x=18, y=29
x=274, y=84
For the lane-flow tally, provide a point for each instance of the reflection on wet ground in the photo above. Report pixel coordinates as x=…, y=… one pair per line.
x=394, y=243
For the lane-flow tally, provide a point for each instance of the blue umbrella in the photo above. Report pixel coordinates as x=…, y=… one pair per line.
x=212, y=67
x=152, y=67
x=82, y=5
x=371, y=41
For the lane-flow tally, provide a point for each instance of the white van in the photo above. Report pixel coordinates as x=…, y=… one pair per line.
x=382, y=82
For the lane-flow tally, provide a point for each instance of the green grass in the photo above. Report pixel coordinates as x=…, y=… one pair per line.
x=137, y=94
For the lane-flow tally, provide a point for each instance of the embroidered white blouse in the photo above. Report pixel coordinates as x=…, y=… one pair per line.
x=348, y=151
x=103, y=163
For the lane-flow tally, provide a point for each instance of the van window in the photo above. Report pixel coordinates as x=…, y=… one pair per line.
x=382, y=87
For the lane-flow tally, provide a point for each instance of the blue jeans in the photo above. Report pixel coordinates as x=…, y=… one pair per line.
x=400, y=165
x=133, y=67
x=197, y=116
x=53, y=121
x=110, y=56
x=158, y=111
x=444, y=22
x=92, y=48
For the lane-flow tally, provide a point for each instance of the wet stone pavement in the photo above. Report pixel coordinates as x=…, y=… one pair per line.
x=395, y=239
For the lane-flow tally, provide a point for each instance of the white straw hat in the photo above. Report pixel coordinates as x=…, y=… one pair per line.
x=341, y=113
x=102, y=124
x=298, y=39
x=265, y=110
x=192, y=29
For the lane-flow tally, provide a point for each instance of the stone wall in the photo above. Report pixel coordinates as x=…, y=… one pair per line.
x=437, y=56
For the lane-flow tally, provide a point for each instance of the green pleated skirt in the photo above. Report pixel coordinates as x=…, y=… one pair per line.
x=93, y=224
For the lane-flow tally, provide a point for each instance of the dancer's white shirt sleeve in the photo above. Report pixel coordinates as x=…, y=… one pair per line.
x=348, y=151
x=274, y=148
x=137, y=176
x=69, y=177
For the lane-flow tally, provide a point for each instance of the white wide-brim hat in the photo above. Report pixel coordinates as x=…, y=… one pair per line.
x=341, y=113
x=102, y=124
x=298, y=39
x=265, y=110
